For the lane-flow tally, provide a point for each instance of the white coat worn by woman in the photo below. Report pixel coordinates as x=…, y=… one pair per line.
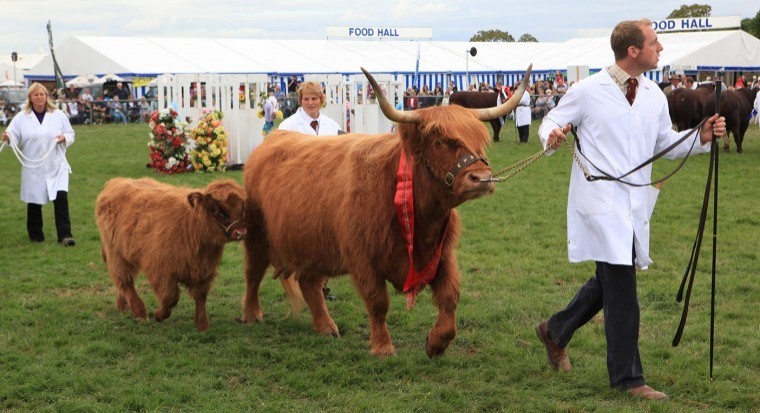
x=522, y=117
x=42, y=133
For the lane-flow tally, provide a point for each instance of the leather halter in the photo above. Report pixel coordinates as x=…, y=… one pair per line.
x=461, y=163
x=229, y=229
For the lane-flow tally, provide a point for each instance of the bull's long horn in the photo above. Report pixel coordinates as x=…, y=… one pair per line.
x=388, y=110
x=509, y=105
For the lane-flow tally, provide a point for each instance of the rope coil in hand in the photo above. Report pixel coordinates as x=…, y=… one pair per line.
x=23, y=159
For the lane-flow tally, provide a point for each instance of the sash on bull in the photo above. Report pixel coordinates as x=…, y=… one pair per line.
x=377, y=207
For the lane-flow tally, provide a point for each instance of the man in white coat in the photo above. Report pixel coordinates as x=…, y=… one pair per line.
x=622, y=120
x=42, y=133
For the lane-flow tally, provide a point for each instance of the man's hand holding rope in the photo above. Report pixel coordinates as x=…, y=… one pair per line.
x=714, y=126
x=557, y=137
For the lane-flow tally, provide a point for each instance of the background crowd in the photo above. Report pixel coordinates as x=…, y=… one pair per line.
x=82, y=106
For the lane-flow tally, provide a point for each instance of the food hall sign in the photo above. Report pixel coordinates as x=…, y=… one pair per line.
x=696, y=23
x=379, y=32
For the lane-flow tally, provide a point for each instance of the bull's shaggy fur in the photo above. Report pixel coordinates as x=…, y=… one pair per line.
x=175, y=235
x=323, y=207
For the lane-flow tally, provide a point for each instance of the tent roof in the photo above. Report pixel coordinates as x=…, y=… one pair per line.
x=150, y=56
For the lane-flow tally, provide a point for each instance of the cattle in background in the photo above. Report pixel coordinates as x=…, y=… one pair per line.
x=686, y=106
x=735, y=106
x=330, y=206
x=175, y=235
x=478, y=100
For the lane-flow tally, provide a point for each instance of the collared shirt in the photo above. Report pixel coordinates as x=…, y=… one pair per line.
x=301, y=122
x=620, y=77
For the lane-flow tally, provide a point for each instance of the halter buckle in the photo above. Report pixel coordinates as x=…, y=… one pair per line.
x=449, y=179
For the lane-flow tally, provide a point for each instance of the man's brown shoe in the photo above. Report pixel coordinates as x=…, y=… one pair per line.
x=647, y=393
x=554, y=353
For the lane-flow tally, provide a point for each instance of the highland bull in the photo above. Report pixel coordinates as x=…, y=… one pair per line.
x=176, y=235
x=377, y=207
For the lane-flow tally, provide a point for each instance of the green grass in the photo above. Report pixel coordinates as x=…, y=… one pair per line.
x=65, y=348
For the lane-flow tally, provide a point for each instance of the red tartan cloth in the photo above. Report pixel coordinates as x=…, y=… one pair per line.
x=404, y=202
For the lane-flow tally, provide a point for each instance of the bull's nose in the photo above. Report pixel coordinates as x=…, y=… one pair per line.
x=239, y=233
x=477, y=177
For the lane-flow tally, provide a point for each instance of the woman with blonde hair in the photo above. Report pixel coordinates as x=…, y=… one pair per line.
x=308, y=118
x=42, y=133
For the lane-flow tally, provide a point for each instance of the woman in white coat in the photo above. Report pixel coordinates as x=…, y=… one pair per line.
x=308, y=118
x=42, y=133
x=310, y=121
x=522, y=117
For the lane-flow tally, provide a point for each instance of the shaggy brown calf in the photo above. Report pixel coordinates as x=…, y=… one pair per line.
x=335, y=205
x=175, y=235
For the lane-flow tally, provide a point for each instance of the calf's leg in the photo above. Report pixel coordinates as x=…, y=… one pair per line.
x=167, y=291
x=123, y=277
x=199, y=294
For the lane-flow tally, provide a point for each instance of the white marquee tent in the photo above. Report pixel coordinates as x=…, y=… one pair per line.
x=439, y=62
x=234, y=72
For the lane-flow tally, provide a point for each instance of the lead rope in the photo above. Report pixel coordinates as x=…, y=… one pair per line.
x=692, y=266
x=515, y=168
x=519, y=166
x=33, y=163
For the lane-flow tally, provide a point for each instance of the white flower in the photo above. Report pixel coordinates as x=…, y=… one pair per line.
x=170, y=163
x=190, y=146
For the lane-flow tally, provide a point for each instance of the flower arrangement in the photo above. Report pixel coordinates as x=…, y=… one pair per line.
x=168, y=142
x=211, y=142
x=261, y=101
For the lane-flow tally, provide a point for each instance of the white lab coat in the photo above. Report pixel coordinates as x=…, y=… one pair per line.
x=301, y=122
x=603, y=217
x=41, y=185
x=522, y=111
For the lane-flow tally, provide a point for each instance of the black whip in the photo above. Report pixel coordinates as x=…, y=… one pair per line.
x=691, y=268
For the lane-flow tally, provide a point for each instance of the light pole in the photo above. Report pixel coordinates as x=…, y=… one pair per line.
x=14, y=57
x=470, y=52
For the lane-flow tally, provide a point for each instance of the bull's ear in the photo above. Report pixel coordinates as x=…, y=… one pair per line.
x=195, y=199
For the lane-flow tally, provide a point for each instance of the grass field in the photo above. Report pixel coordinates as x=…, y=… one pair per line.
x=65, y=348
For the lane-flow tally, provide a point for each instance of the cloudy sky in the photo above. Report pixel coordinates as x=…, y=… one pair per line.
x=22, y=22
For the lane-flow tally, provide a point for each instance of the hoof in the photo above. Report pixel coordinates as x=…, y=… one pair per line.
x=436, y=350
x=121, y=304
x=251, y=316
x=384, y=350
x=160, y=316
x=330, y=330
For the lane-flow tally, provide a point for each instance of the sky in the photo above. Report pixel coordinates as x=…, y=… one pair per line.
x=23, y=22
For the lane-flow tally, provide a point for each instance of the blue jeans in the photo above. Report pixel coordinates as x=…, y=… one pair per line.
x=118, y=117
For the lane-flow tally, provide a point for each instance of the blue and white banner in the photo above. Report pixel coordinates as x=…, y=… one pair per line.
x=696, y=23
